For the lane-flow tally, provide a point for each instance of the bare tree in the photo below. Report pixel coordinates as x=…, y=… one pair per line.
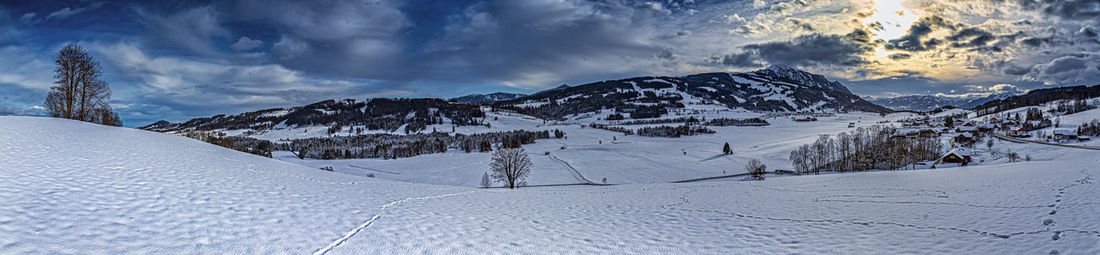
x=485, y=182
x=756, y=168
x=79, y=93
x=511, y=165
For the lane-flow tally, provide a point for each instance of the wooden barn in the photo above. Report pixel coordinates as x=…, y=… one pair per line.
x=959, y=156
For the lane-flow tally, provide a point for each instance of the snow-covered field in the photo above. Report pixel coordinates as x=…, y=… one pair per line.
x=598, y=154
x=75, y=188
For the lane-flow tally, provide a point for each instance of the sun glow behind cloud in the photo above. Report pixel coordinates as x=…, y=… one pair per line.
x=890, y=19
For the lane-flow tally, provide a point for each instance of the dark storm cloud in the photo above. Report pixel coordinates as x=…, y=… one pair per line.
x=1072, y=9
x=859, y=35
x=1065, y=64
x=802, y=24
x=517, y=40
x=900, y=56
x=805, y=51
x=1035, y=42
x=971, y=37
x=192, y=29
x=1015, y=70
x=342, y=38
x=1065, y=9
x=914, y=38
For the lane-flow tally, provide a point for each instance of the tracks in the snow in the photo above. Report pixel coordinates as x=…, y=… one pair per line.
x=1048, y=223
x=381, y=211
x=572, y=170
x=684, y=200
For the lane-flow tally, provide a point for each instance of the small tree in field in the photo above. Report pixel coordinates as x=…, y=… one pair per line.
x=726, y=149
x=1012, y=156
x=511, y=166
x=756, y=168
x=989, y=144
x=485, y=182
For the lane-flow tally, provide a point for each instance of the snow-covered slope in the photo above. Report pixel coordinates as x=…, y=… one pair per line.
x=68, y=187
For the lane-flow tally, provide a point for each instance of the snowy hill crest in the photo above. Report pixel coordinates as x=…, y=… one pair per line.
x=773, y=89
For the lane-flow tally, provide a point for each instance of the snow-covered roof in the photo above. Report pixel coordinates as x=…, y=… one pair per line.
x=967, y=135
x=961, y=152
x=986, y=125
x=1065, y=132
x=968, y=128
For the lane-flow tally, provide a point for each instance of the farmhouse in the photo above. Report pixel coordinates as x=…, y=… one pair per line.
x=964, y=138
x=1064, y=134
x=959, y=156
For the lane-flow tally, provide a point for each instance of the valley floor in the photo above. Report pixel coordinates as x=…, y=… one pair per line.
x=75, y=188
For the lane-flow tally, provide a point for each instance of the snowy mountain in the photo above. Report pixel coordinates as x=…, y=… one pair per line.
x=374, y=114
x=931, y=102
x=774, y=89
x=487, y=98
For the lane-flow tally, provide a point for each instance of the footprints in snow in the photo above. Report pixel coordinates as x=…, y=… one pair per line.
x=1048, y=223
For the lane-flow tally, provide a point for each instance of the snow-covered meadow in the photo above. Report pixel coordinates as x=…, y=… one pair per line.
x=68, y=187
x=598, y=154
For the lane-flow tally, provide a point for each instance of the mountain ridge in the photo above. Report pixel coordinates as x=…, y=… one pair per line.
x=932, y=102
x=773, y=89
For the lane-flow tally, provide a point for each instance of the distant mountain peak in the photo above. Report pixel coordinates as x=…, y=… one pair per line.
x=782, y=68
x=799, y=76
x=487, y=98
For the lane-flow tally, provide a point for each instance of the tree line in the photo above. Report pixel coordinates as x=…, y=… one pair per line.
x=242, y=144
x=1091, y=128
x=875, y=147
x=390, y=146
x=699, y=121
x=673, y=131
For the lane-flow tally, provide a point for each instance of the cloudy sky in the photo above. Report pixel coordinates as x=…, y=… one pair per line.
x=180, y=59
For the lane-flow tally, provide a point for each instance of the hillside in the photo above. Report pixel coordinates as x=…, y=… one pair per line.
x=378, y=114
x=1039, y=97
x=932, y=102
x=774, y=89
x=126, y=191
x=487, y=98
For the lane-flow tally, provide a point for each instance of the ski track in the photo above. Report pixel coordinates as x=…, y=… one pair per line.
x=375, y=217
x=573, y=171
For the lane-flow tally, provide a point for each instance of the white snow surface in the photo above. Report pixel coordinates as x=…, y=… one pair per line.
x=68, y=187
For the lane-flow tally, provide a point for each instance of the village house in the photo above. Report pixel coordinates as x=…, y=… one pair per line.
x=964, y=138
x=1037, y=124
x=969, y=129
x=1019, y=132
x=1066, y=134
x=959, y=156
